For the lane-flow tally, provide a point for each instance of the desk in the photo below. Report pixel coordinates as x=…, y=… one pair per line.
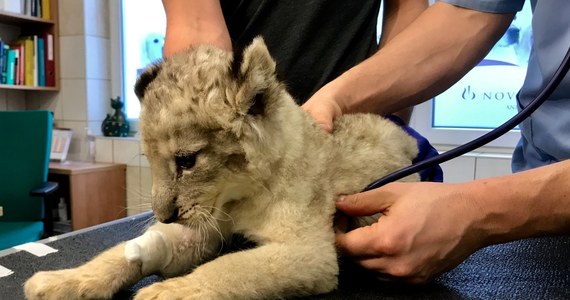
x=95, y=192
x=528, y=269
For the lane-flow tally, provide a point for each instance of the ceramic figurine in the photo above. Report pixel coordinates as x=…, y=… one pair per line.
x=117, y=124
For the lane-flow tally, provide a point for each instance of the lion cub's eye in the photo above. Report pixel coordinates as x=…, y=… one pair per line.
x=185, y=161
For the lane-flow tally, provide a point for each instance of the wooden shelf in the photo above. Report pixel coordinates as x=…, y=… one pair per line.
x=26, y=26
x=28, y=88
x=19, y=19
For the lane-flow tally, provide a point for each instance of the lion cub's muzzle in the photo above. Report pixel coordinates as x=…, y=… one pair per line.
x=165, y=211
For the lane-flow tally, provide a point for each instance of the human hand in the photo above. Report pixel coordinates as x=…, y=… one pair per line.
x=426, y=229
x=324, y=107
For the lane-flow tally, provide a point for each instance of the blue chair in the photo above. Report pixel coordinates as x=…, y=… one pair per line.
x=25, y=145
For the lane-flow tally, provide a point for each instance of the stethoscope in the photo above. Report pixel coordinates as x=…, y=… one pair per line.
x=484, y=139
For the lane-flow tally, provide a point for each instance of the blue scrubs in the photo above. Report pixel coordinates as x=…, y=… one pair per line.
x=545, y=135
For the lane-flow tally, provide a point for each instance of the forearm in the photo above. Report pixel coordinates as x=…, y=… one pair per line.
x=190, y=23
x=527, y=204
x=418, y=64
x=399, y=14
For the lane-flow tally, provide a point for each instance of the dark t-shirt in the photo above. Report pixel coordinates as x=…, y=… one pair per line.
x=313, y=41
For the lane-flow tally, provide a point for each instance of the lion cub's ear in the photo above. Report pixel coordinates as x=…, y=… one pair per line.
x=257, y=61
x=256, y=74
x=147, y=76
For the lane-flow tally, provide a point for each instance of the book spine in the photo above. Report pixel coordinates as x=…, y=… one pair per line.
x=49, y=60
x=39, y=9
x=46, y=9
x=21, y=63
x=16, y=65
x=5, y=69
x=35, y=39
x=2, y=64
x=34, y=8
x=29, y=62
x=41, y=63
x=11, y=72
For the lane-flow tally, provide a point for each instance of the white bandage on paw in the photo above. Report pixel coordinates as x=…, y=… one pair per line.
x=152, y=249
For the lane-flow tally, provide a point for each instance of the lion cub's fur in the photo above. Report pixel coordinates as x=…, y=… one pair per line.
x=231, y=152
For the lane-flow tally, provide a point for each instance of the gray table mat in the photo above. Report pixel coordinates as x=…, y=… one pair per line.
x=528, y=269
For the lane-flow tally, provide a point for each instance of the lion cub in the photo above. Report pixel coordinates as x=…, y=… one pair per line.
x=230, y=152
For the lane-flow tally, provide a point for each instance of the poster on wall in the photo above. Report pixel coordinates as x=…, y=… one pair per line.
x=486, y=96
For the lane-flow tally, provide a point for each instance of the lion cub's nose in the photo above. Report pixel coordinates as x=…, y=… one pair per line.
x=169, y=219
x=165, y=211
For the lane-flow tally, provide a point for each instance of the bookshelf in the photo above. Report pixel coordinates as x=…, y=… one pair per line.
x=29, y=26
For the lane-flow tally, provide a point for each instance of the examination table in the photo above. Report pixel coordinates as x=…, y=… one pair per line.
x=528, y=269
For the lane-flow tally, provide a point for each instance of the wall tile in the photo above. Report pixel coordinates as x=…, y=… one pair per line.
x=126, y=151
x=73, y=96
x=95, y=127
x=72, y=53
x=146, y=189
x=104, y=150
x=97, y=58
x=78, y=146
x=97, y=18
x=71, y=17
x=460, y=169
x=98, y=99
x=144, y=160
x=492, y=165
x=133, y=190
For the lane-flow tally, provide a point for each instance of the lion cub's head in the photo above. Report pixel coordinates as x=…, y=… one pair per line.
x=207, y=122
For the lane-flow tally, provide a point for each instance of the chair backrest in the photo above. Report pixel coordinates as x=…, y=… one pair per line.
x=25, y=144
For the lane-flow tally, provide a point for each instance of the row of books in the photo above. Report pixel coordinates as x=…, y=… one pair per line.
x=28, y=61
x=34, y=8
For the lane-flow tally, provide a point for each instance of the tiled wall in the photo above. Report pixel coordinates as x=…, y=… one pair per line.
x=476, y=165
x=83, y=100
x=139, y=180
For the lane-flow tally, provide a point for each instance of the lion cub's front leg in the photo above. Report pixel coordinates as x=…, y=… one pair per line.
x=165, y=249
x=98, y=279
x=272, y=271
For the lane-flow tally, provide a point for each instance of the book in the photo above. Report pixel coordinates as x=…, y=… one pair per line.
x=34, y=8
x=38, y=8
x=46, y=8
x=28, y=61
x=11, y=71
x=5, y=50
x=35, y=57
x=49, y=60
x=2, y=63
x=41, y=63
x=20, y=62
x=27, y=7
x=16, y=64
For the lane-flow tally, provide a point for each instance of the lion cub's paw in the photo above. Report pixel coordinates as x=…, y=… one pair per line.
x=65, y=284
x=172, y=289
